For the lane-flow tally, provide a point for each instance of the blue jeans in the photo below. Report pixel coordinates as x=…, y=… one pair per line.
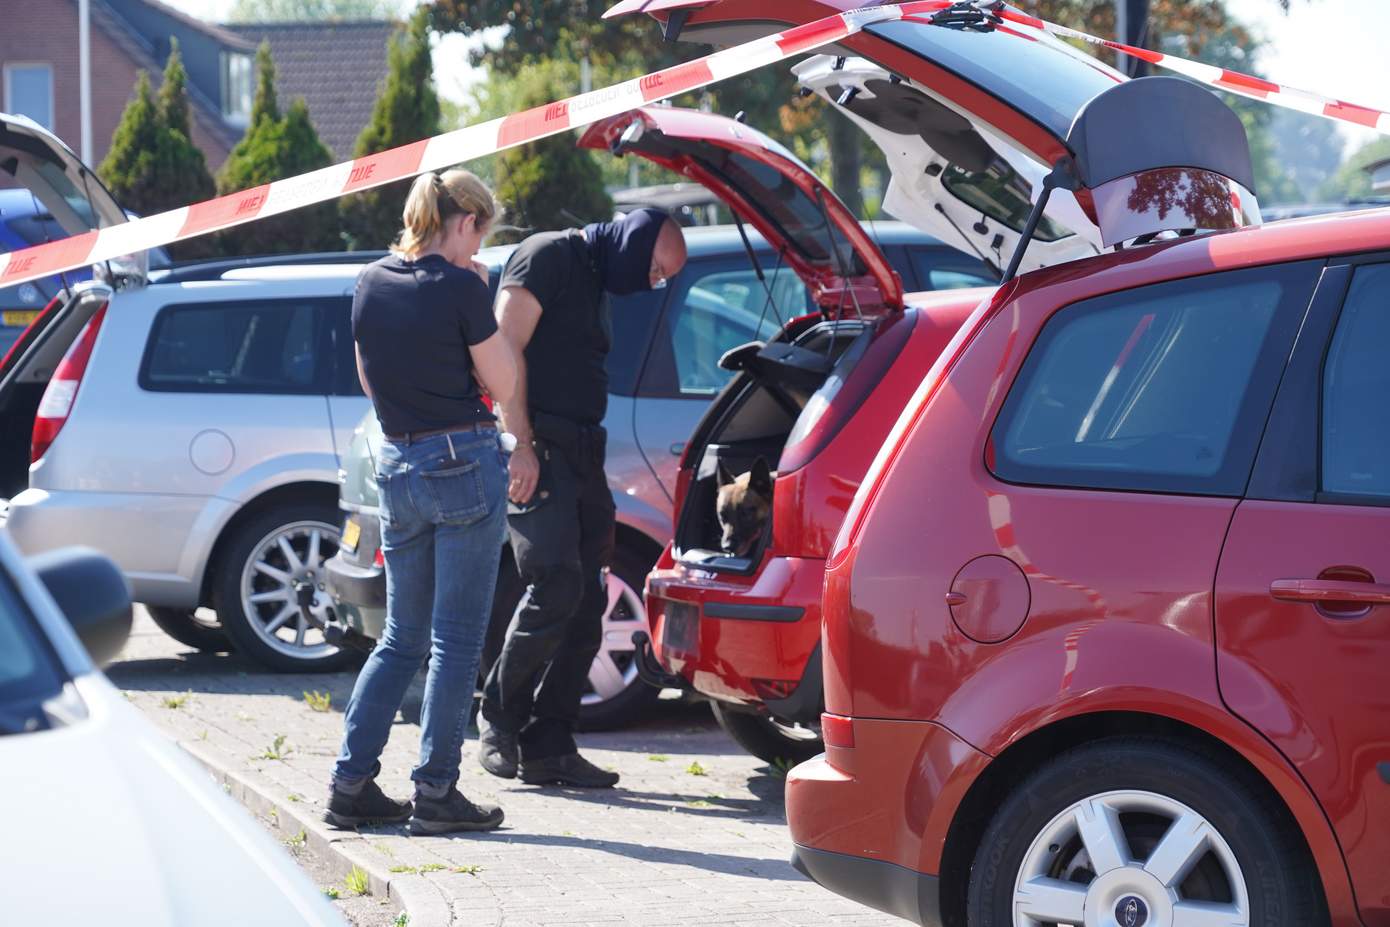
x=443, y=522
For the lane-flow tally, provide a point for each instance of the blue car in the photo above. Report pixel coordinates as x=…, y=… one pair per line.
x=25, y=221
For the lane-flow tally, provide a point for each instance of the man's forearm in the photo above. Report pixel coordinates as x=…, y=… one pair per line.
x=515, y=417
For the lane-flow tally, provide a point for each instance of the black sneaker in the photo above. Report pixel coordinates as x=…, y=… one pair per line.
x=497, y=752
x=567, y=769
x=452, y=813
x=369, y=806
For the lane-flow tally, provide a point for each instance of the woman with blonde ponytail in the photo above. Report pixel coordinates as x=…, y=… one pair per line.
x=426, y=342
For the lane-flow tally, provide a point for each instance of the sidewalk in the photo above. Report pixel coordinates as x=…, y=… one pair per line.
x=694, y=834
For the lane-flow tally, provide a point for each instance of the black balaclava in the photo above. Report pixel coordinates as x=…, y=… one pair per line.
x=622, y=249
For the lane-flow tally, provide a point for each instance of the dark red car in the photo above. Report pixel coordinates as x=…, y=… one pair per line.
x=1106, y=634
x=744, y=630
x=1105, y=631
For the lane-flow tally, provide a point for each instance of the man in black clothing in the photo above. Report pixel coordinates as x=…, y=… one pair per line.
x=552, y=306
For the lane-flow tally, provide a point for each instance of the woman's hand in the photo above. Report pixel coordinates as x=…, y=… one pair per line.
x=525, y=471
x=479, y=268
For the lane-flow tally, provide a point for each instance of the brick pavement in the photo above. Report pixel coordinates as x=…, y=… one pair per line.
x=670, y=845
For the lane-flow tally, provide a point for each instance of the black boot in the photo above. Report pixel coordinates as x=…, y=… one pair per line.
x=451, y=813
x=497, y=753
x=567, y=769
x=369, y=806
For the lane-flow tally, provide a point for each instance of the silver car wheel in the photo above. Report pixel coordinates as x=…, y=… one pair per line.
x=615, y=666
x=293, y=553
x=1130, y=859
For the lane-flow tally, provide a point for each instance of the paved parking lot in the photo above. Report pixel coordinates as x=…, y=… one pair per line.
x=695, y=833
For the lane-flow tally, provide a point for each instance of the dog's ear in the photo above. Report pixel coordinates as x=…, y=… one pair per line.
x=761, y=479
x=723, y=477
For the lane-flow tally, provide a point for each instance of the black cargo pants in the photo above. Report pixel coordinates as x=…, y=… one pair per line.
x=563, y=540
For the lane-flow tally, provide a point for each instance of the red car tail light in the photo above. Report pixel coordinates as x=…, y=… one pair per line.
x=837, y=730
x=61, y=393
x=380, y=558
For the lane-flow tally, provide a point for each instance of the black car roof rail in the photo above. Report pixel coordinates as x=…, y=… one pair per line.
x=214, y=269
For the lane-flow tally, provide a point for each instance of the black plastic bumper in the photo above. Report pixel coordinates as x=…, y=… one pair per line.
x=807, y=700
x=873, y=882
x=649, y=668
x=364, y=587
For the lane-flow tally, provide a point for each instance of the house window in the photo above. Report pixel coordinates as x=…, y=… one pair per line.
x=29, y=92
x=237, y=87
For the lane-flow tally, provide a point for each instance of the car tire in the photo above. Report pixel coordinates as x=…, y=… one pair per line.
x=1208, y=835
x=615, y=669
x=253, y=593
x=189, y=628
x=775, y=742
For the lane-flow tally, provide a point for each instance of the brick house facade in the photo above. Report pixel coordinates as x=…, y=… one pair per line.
x=39, y=70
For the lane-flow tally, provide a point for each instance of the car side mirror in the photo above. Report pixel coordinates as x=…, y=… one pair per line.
x=93, y=596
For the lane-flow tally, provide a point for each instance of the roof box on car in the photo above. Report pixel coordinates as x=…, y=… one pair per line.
x=1152, y=155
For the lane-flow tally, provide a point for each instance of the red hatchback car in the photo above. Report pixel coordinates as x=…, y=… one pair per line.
x=1106, y=634
x=743, y=629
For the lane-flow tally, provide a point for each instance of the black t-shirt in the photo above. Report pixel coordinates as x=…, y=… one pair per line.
x=565, y=373
x=413, y=322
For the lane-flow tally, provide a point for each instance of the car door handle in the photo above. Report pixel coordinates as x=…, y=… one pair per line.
x=1330, y=590
x=677, y=449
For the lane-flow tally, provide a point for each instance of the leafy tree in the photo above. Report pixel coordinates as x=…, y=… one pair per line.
x=407, y=110
x=276, y=147
x=129, y=167
x=549, y=184
x=270, y=11
x=1352, y=182
x=153, y=164
x=572, y=30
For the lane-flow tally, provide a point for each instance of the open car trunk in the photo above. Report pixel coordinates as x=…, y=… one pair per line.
x=765, y=407
x=781, y=393
x=33, y=159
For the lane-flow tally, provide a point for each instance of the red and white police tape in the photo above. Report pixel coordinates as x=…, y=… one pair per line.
x=1224, y=78
x=429, y=154
x=519, y=128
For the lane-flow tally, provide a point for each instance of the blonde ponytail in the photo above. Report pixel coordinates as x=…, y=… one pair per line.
x=433, y=198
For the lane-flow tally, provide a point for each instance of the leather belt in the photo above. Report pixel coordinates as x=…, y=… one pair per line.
x=410, y=437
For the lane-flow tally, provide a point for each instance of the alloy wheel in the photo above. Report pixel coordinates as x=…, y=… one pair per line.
x=615, y=666
x=289, y=559
x=1130, y=859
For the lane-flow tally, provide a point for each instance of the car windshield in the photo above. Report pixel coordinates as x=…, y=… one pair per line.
x=29, y=673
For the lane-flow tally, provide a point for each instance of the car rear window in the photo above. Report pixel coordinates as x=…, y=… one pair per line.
x=1163, y=388
x=270, y=346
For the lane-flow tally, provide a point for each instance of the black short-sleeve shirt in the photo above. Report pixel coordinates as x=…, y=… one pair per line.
x=565, y=372
x=413, y=322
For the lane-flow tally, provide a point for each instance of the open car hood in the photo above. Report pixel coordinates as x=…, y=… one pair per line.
x=771, y=189
x=987, y=109
x=35, y=159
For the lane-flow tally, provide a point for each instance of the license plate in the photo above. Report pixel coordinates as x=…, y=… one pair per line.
x=682, y=631
x=20, y=317
x=352, y=531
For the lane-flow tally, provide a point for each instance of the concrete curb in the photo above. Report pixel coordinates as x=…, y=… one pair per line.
x=421, y=899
